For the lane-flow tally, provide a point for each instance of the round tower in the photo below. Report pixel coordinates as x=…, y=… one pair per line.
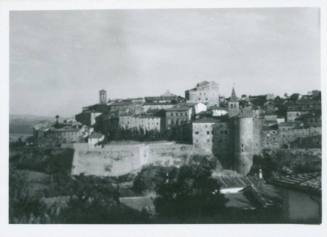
x=244, y=144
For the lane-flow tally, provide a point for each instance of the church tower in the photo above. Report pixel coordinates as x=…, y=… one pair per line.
x=233, y=105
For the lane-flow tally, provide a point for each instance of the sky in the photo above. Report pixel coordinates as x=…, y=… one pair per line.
x=59, y=60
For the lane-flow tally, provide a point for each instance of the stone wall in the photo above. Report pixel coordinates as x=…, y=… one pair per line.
x=272, y=139
x=247, y=142
x=111, y=160
x=203, y=136
x=170, y=153
x=223, y=143
x=122, y=158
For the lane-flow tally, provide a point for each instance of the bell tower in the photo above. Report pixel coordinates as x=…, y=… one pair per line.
x=103, y=96
x=233, y=105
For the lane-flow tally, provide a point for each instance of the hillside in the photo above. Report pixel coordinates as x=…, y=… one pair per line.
x=23, y=124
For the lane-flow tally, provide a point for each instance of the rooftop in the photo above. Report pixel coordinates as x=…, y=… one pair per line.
x=183, y=107
x=217, y=107
x=207, y=120
x=288, y=124
x=306, y=182
x=139, y=203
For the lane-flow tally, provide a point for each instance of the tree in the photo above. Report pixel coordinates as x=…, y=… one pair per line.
x=189, y=192
x=23, y=207
x=150, y=177
x=294, y=97
x=96, y=200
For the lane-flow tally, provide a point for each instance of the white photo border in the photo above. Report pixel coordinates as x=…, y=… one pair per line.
x=144, y=230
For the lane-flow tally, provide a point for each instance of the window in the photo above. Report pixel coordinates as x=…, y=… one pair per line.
x=208, y=132
x=196, y=132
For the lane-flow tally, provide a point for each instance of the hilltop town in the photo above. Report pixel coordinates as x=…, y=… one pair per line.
x=232, y=129
x=249, y=142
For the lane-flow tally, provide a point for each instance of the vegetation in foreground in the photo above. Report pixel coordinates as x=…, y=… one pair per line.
x=42, y=191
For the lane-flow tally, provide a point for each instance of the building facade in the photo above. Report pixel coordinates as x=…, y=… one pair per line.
x=205, y=92
x=202, y=134
x=223, y=143
x=148, y=106
x=178, y=115
x=141, y=122
x=126, y=107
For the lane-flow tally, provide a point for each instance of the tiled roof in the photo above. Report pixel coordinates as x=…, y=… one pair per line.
x=158, y=103
x=228, y=181
x=179, y=108
x=207, y=120
x=307, y=182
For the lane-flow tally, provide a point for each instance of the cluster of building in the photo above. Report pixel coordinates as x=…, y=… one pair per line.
x=59, y=132
x=155, y=113
x=233, y=129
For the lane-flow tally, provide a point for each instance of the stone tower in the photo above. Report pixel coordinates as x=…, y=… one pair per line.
x=247, y=140
x=103, y=97
x=233, y=105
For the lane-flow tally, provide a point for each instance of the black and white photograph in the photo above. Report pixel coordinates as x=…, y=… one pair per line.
x=165, y=116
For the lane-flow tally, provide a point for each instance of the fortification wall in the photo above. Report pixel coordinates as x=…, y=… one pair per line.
x=120, y=159
x=170, y=154
x=112, y=160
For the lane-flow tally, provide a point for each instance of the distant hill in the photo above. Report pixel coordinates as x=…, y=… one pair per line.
x=23, y=124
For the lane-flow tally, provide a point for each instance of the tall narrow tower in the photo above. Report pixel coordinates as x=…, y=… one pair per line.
x=103, y=97
x=233, y=105
x=247, y=139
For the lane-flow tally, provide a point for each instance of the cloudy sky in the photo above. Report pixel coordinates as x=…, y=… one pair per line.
x=60, y=59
